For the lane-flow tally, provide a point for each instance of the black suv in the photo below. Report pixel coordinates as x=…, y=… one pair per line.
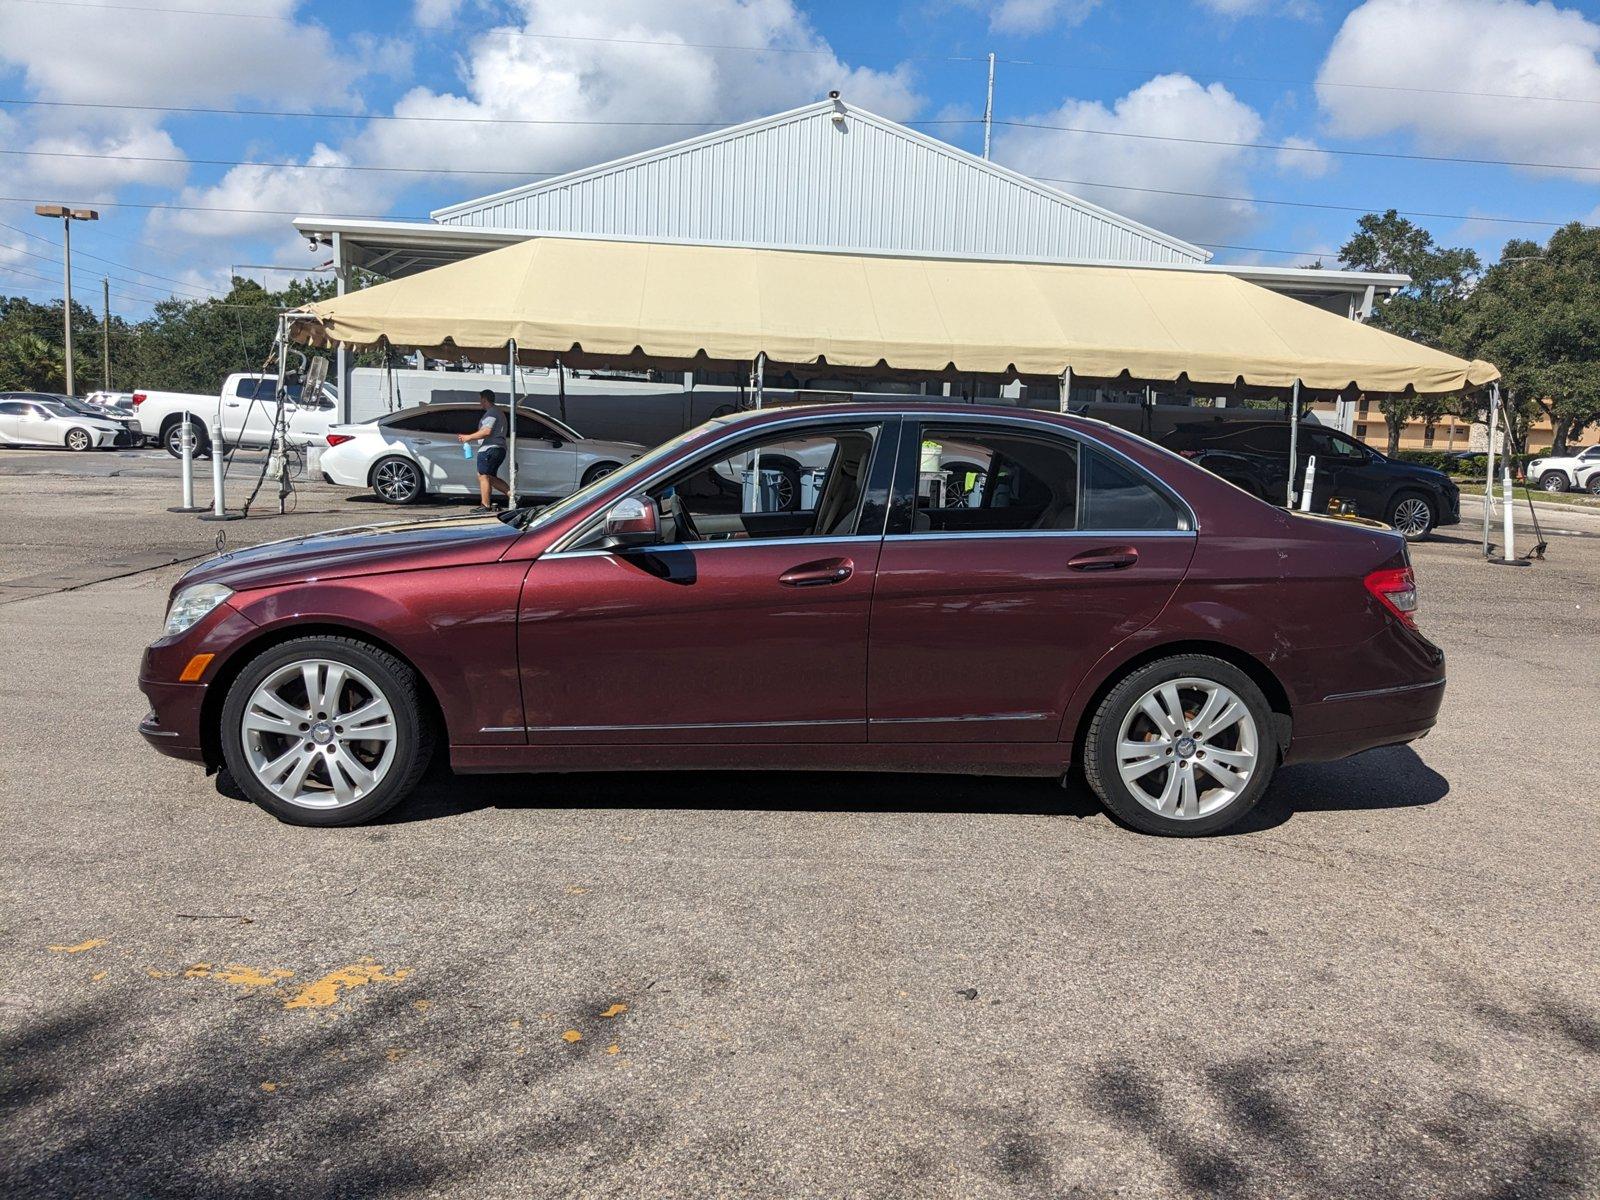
x=1254, y=455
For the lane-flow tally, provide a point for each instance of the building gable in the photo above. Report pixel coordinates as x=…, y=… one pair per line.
x=824, y=177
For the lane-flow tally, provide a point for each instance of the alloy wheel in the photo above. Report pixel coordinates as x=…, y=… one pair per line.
x=396, y=481
x=319, y=734
x=1553, y=481
x=1188, y=748
x=77, y=439
x=1412, y=516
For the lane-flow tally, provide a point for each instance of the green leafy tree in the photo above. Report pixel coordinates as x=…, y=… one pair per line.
x=1425, y=311
x=1536, y=316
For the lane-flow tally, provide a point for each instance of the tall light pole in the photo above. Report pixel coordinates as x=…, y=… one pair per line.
x=67, y=216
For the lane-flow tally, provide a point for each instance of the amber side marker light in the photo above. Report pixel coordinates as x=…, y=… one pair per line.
x=195, y=668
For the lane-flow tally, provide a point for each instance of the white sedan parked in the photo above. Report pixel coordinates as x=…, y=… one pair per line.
x=414, y=452
x=40, y=422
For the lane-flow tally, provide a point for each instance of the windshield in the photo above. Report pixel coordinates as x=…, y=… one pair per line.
x=639, y=468
x=55, y=408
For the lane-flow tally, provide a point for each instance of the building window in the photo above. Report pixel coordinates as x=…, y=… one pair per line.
x=1427, y=436
x=1361, y=429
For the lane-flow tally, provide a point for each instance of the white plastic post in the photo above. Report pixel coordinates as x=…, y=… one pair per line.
x=1488, y=474
x=187, y=439
x=218, y=508
x=1311, y=478
x=1509, y=550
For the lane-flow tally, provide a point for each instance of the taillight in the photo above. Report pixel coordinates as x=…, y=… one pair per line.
x=339, y=439
x=1396, y=589
x=139, y=398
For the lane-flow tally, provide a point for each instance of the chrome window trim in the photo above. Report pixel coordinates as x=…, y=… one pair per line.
x=992, y=534
x=815, y=540
x=915, y=413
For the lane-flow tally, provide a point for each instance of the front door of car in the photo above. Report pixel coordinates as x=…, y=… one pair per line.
x=992, y=603
x=10, y=411
x=747, y=624
x=1343, y=473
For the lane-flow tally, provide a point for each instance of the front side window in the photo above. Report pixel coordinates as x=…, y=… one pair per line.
x=782, y=485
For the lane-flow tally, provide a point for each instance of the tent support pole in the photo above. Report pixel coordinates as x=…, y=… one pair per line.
x=1488, y=481
x=511, y=420
x=758, y=376
x=1294, y=438
x=561, y=389
x=1066, y=390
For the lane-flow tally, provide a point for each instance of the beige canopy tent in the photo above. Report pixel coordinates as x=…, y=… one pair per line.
x=591, y=302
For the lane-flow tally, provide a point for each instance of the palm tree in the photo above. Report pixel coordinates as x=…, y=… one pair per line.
x=30, y=363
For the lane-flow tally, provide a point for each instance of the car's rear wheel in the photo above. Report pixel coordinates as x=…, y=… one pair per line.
x=79, y=439
x=1412, y=515
x=397, y=481
x=172, y=439
x=1553, y=481
x=598, y=471
x=326, y=731
x=1594, y=484
x=1183, y=746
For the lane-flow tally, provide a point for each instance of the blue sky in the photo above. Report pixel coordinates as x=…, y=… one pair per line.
x=1381, y=77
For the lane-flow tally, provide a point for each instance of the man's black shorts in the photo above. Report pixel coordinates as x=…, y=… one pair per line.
x=491, y=459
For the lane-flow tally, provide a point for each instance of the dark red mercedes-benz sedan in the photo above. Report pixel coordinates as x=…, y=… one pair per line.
x=917, y=588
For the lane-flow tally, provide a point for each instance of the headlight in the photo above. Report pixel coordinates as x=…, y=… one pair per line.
x=194, y=602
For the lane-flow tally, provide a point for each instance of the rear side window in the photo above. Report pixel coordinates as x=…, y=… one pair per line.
x=971, y=480
x=1116, y=498
x=446, y=420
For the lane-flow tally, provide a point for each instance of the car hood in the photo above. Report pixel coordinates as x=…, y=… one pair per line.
x=364, y=550
x=102, y=423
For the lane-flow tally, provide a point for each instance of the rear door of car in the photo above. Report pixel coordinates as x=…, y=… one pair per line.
x=546, y=464
x=994, y=600
x=431, y=438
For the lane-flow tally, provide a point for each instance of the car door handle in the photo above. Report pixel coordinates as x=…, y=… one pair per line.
x=818, y=574
x=1106, y=558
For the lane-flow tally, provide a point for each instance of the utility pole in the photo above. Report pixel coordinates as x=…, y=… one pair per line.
x=67, y=216
x=105, y=332
x=988, y=107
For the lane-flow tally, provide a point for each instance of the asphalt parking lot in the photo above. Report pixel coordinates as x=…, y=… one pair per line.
x=785, y=985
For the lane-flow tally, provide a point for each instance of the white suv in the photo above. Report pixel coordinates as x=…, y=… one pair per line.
x=1561, y=474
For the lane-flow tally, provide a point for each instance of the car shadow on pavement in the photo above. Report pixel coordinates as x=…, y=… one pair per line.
x=1381, y=779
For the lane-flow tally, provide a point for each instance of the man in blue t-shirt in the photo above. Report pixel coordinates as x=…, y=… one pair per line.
x=491, y=438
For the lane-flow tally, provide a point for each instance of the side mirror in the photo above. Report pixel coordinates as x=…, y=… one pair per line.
x=634, y=522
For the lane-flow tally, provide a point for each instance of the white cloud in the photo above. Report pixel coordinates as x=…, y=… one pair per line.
x=1299, y=9
x=1170, y=106
x=430, y=14
x=1300, y=160
x=1454, y=46
x=1032, y=16
x=622, y=75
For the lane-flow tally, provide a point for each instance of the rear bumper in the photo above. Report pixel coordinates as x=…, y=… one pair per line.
x=1340, y=726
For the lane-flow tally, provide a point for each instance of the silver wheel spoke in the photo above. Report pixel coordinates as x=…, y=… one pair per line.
x=1155, y=707
x=1138, y=759
x=264, y=722
x=272, y=703
x=1188, y=796
x=1167, y=803
x=1228, y=776
x=1228, y=712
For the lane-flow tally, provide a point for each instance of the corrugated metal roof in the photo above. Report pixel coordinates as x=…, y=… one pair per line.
x=825, y=177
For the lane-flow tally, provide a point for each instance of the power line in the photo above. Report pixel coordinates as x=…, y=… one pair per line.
x=77, y=254
x=1283, y=147
x=309, y=114
x=832, y=51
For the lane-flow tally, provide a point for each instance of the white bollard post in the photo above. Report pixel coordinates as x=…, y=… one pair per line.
x=1509, y=550
x=1311, y=478
x=218, y=509
x=186, y=462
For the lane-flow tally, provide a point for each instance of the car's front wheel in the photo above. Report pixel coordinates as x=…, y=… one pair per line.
x=1412, y=515
x=79, y=439
x=1182, y=746
x=1553, y=481
x=397, y=481
x=326, y=731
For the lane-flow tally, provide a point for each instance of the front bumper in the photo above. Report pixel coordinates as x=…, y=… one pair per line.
x=175, y=725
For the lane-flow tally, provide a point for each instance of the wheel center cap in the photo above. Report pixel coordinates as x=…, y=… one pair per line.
x=1185, y=747
x=322, y=733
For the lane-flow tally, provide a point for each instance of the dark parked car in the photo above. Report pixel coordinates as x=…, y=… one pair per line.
x=1254, y=455
x=1078, y=595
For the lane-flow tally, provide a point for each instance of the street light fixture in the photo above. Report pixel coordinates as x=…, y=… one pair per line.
x=67, y=216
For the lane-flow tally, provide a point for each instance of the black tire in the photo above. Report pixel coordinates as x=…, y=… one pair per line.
x=1100, y=745
x=78, y=440
x=1403, y=511
x=1594, y=484
x=172, y=439
x=414, y=735
x=788, y=483
x=1553, y=481
x=599, y=471
x=955, y=477
x=397, y=480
